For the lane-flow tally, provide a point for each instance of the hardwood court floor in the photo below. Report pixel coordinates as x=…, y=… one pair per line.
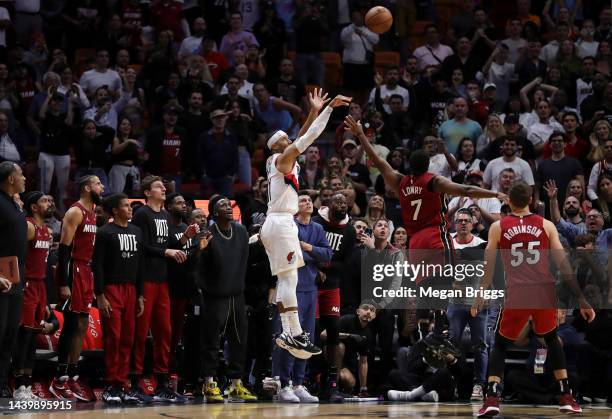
x=331, y=411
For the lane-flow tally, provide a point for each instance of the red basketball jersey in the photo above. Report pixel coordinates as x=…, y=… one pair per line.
x=421, y=207
x=525, y=251
x=38, y=252
x=85, y=236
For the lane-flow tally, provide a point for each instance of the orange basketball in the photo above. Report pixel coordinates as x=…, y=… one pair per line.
x=379, y=19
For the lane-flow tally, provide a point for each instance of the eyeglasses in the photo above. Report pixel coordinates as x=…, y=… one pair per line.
x=594, y=216
x=463, y=221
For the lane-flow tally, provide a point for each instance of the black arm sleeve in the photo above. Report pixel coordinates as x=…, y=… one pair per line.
x=63, y=260
x=99, y=256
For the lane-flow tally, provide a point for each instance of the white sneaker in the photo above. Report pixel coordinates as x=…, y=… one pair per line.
x=286, y=395
x=431, y=397
x=396, y=395
x=477, y=393
x=25, y=393
x=302, y=393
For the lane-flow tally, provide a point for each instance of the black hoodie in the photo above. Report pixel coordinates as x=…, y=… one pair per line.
x=341, y=238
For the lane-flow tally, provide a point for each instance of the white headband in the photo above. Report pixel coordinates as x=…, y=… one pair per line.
x=275, y=137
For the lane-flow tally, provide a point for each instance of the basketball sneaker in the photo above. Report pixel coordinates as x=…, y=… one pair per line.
x=167, y=395
x=60, y=389
x=567, y=404
x=298, y=346
x=239, y=393
x=136, y=395
x=305, y=397
x=25, y=393
x=287, y=395
x=477, y=393
x=111, y=395
x=77, y=390
x=490, y=407
x=211, y=393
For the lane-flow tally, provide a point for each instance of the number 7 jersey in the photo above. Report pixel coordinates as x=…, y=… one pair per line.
x=421, y=206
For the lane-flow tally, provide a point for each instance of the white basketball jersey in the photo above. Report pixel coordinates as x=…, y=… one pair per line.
x=282, y=189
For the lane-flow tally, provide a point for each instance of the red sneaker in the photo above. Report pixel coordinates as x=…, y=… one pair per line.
x=77, y=390
x=567, y=404
x=490, y=407
x=60, y=389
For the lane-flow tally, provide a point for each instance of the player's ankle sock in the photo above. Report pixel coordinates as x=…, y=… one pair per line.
x=492, y=389
x=333, y=374
x=20, y=380
x=62, y=371
x=236, y=382
x=416, y=393
x=72, y=371
x=564, y=387
x=285, y=323
x=294, y=323
x=209, y=379
x=162, y=380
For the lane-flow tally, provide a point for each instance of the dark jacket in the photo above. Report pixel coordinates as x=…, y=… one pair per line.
x=219, y=157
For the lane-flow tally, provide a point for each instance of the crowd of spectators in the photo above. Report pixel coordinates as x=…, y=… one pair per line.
x=190, y=91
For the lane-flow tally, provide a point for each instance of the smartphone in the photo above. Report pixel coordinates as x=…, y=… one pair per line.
x=368, y=232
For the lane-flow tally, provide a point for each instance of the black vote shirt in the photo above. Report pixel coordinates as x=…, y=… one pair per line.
x=14, y=233
x=117, y=256
x=155, y=232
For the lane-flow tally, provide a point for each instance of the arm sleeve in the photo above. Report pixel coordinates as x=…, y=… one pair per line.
x=140, y=220
x=314, y=131
x=592, y=184
x=99, y=256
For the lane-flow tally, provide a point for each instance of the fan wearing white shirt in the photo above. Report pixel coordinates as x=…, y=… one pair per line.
x=509, y=159
x=391, y=87
x=490, y=208
x=191, y=44
x=433, y=52
x=541, y=130
x=441, y=161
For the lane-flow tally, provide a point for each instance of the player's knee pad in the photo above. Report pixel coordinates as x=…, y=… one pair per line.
x=285, y=288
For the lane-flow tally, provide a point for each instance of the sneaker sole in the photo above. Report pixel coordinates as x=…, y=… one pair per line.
x=489, y=412
x=209, y=401
x=569, y=410
x=298, y=353
x=81, y=398
x=288, y=401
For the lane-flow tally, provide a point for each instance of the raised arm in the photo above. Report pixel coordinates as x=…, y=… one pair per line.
x=567, y=272
x=392, y=177
x=443, y=185
x=316, y=100
x=285, y=162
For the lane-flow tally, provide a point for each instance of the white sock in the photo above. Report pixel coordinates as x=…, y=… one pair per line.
x=236, y=381
x=286, y=323
x=294, y=323
x=208, y=379
x=417, y=393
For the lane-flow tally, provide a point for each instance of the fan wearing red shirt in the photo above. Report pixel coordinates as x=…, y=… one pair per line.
x=575, y=146
x=423, y=207
x=527, y=240
x=167, y=15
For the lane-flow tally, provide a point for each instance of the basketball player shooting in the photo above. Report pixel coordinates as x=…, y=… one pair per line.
x=279, y=233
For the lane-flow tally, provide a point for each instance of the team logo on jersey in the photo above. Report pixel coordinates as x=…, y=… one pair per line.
x=291, y=257
x=292, y=181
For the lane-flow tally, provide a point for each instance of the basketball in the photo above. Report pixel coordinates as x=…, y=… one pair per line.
x=378, y=19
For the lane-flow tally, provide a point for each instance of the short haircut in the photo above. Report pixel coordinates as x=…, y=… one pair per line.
x=520, y=193
x=428, y=27
x=463, y=211
x=396, y=96
x=7, y=168
x=419, y=162
x=113, y=202
x=571, y=113
x=171, y=197
x=588, y=57
x=507, y=138
x=303, y=192
x=509, y=170
x=148, y=182
x=85, y=181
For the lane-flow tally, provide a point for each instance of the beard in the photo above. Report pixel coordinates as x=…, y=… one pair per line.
x=572, y=212
x=96, y=198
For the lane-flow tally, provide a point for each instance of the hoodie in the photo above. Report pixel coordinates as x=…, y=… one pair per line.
x=321, y=253
x=341, y=238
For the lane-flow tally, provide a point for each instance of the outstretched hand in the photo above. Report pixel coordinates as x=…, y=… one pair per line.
x=317, y=99
x=354, y=127
x=551, y=188
x=340, y=100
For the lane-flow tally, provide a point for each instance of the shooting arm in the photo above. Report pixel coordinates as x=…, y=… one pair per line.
x=443, y=185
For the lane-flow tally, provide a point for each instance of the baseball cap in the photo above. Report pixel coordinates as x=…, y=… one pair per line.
x=349, y=141
x=218, y=112
x=489, y=85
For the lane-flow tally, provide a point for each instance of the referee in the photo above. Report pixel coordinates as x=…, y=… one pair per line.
x=13, y=230
x=117, y=265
